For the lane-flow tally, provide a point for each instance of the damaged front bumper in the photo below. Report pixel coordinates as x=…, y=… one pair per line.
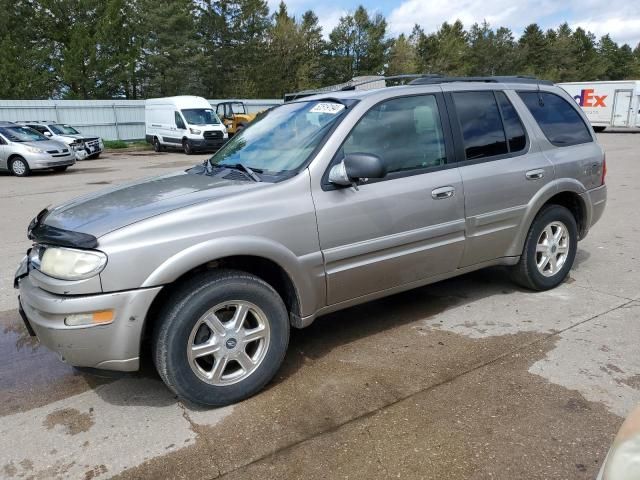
x=111, y=346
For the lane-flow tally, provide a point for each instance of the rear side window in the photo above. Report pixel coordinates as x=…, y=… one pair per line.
x=481, y=124
x=558, y=120
x=512, y=124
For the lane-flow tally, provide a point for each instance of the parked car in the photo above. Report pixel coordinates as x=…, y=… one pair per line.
x=184, y=122
x=323, y=203
x=608, y=103
x=23, y=150
x=83, y=146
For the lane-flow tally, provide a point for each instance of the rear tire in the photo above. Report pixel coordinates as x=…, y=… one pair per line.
x=200, y=314
x=157, y=146
x=549, y=249
x=19, y=167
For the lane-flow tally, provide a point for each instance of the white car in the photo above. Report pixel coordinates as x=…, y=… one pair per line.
x=84, y=147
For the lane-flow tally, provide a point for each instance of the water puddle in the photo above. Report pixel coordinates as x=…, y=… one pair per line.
x=30, y=374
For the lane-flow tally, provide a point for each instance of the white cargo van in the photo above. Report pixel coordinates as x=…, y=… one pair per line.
x=608, y=103
x=185, y=122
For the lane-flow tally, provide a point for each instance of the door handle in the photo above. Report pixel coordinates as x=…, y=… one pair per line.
x=535, y=174
x=443, y=192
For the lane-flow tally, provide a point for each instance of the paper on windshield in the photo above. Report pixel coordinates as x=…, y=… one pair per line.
x=327, y=107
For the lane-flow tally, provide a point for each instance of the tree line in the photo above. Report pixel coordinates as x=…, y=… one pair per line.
x=97, y=49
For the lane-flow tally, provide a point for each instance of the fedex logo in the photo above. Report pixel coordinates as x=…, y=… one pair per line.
x=588, y=99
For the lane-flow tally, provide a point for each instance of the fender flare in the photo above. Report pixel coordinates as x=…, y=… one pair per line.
x=211, y=250
x=541, y=197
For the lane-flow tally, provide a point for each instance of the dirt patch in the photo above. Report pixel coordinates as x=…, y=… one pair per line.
x=95, y=472
x=71, y=419
x=633, y=381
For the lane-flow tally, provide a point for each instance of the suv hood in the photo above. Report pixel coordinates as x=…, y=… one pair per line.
x=100, y=213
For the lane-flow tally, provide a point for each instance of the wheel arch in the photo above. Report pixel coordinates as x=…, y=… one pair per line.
x=567, y=193
x=274, y=263
x=265, y=269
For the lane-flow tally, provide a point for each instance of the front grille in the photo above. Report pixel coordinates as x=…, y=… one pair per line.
x=54, y=151
x=58, y=155
x=55, y=164
x=93, y=143
x=212, y=134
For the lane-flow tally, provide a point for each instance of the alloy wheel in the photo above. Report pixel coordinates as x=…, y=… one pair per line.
x=552, y=248
x=228, y=343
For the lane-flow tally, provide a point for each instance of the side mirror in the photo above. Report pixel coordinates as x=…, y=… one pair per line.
x=357, y=166
x=47, y=134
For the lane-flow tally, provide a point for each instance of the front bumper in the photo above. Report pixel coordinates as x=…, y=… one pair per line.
x=207, y=144
x=39, y=161
x=114, y=346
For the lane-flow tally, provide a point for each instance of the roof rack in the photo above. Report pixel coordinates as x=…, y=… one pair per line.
x=432, y=79
x=416, y=79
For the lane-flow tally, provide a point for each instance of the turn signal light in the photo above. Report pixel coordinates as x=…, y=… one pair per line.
x=92, y=318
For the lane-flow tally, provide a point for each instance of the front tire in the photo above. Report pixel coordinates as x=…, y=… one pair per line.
x=186, y=146
x=221, y=337
x=549, y=250
x=599, y=129
x=19, y=167
x=60, y=169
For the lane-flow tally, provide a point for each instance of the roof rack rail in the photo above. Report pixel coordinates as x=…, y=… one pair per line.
x=433, y=79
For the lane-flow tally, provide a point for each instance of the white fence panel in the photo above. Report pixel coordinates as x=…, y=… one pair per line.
x=109, y=119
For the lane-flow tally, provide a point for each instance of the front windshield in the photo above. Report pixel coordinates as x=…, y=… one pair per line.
x=238, y=108
x=22, y=134
x=64, y=130
x=200, y=116
x=283, y=139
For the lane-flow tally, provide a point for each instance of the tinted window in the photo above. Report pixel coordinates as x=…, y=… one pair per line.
x=559, y=120
x=481, y=124
x=512, y=124
x=39, y=128
x=405, y=132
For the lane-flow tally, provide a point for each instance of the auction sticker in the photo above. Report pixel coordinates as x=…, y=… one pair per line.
x=327, y=107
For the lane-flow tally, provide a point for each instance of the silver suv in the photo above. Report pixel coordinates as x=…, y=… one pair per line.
x=323, y=203
x=23, y=150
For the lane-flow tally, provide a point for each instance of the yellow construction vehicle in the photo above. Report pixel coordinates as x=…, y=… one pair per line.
x=234, y=116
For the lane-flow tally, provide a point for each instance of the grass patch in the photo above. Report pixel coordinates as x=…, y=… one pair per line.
x=119, y=144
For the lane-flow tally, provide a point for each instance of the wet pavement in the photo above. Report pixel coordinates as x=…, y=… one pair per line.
x=468, y=378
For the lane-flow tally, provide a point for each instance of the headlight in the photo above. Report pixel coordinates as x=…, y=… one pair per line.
x=69, y=263
x=34, y=150
x=195, y=131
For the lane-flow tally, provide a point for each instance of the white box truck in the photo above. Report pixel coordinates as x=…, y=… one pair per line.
x=613, y=104
x=185, y=122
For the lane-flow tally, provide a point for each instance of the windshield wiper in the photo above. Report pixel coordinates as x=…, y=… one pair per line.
x=248, y=170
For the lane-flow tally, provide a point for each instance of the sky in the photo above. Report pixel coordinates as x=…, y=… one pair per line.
x=619, y=18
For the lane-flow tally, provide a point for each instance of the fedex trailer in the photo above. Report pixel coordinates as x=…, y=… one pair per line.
x=613, y=104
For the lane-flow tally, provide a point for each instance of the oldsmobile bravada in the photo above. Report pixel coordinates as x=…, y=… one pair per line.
x=323, y=203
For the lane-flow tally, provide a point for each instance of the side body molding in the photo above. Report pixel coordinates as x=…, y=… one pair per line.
x=306, y=272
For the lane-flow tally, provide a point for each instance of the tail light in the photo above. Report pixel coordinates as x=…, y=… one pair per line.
x=604, y=168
